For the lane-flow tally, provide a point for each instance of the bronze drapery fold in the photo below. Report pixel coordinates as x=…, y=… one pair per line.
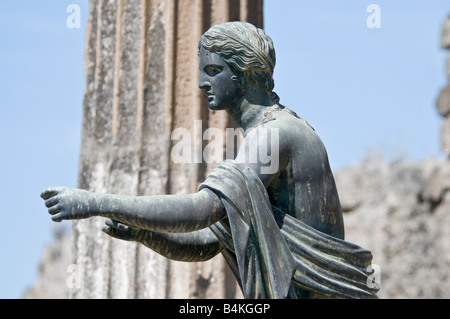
x=275, y=255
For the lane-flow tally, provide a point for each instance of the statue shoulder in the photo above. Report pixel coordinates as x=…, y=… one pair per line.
x=295, y=134
x=287, y=121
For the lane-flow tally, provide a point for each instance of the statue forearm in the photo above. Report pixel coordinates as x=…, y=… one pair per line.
x=162, y=213
x=195, y=246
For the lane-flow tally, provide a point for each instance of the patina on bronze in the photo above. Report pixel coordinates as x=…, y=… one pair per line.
x=281, y=230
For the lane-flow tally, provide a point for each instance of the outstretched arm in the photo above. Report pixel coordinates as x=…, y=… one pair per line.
x=162, y=213
x=195, y=246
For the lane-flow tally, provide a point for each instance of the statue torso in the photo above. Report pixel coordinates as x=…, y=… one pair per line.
x=304, y=187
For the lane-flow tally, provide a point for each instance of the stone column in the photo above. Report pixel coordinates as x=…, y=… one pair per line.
x=443, y=102
x=141, y=69
x=439, y=183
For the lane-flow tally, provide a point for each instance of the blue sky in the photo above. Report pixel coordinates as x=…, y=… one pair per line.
x=364, y=91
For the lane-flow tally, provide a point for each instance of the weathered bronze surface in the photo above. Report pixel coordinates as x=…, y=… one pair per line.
x=277, y=222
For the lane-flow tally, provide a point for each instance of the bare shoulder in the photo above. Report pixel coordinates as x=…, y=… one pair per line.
x=292, y=129
x=299, y=142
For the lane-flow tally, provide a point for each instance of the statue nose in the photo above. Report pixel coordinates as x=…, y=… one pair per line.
x=202, y=84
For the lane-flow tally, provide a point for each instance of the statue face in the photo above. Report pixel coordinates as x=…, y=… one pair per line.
x=216, y=80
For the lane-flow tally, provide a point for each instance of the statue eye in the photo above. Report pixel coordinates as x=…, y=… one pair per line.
x=212, y=70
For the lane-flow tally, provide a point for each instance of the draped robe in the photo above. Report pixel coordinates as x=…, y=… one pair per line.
x=275, y=255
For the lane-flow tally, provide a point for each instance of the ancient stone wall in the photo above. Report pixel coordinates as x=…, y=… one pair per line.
x=386, y=211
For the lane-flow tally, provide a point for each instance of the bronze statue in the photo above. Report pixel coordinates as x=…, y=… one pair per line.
x=279, y=225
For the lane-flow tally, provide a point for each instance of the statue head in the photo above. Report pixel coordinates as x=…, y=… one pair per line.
x=246, y=49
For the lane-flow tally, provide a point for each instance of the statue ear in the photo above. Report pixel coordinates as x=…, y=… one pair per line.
x=240, y=80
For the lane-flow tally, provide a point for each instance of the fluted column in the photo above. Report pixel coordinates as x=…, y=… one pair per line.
x=443, y=103
x=141, y=69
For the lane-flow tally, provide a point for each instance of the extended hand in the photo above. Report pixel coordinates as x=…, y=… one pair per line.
x=120, y=231
x=67, y=203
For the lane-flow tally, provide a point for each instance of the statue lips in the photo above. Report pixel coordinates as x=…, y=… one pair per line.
x=209, y=96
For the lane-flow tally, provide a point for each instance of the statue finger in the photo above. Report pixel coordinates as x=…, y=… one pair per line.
x=106, y=229
x=57, y=218
x=49, y=192
x=109, y=223
x=111, y=231
x=116, y=225
x=52, y=201
x=54, y=210
x=115, y=233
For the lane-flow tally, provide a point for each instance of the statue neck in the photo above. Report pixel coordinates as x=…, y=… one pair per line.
x=248, y=111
